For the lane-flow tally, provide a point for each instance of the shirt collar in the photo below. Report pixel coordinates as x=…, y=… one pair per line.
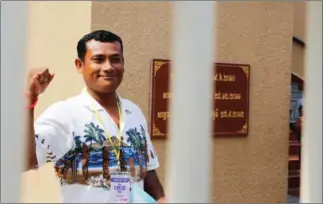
x=92, y=104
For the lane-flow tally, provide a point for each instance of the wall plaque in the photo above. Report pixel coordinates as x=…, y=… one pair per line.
x=231, y=99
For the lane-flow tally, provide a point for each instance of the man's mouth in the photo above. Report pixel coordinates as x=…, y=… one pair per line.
x=107, y=77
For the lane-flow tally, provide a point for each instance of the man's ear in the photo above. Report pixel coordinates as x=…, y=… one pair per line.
x=79, y=65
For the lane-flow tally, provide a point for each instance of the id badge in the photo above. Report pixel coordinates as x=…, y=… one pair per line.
x=120, y=187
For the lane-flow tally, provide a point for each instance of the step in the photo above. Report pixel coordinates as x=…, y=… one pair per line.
x=293, y=181
x=294, y=148
x=296, y=93
x=293, y=191
x=293, y=137
x=294, y=172
x=293, y=163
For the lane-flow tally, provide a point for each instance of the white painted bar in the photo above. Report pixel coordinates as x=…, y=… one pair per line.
x=189, y=144
x=13, y=48
x=311, y=168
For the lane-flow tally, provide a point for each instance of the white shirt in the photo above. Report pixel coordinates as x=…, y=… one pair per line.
x=70, y=129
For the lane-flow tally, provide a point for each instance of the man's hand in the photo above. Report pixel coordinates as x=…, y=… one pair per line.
x=38, y=80
x=162, y=200
x=153, y=187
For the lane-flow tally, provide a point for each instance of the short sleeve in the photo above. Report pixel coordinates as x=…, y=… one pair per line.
x=52, y=135
x=153, y=162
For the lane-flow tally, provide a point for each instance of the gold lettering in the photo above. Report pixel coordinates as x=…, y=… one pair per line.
x=215, y=114
x=223, y=114
x=217, y=96
x=224, y=77
x=232, y=114
x=227, y=96
x=166, y=95
x=163, y=115
x=235, y=96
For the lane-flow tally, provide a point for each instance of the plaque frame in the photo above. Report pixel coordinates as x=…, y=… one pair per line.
x=156, y=134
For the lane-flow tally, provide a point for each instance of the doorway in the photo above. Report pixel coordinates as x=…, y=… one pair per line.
x=294, y=162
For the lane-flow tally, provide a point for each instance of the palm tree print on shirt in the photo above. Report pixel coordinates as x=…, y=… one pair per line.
x=93, y=133
x=144, y=143
x=67, y=162
x=92, y=150
x=84, y=147
x=137, y=140
x=78, y=143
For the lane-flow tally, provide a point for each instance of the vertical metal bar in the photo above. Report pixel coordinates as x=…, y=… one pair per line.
x=13, y=42
x=189, y=145
x=311, y=168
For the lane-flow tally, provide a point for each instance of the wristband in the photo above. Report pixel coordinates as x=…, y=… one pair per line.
x=34, y=103
x=35, y=100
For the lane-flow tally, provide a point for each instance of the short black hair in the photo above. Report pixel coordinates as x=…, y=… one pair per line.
x=98, y=35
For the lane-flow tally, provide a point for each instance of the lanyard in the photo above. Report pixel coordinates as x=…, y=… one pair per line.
x=117, y=153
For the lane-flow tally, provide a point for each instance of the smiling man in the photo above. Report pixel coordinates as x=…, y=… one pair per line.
x=96, y=138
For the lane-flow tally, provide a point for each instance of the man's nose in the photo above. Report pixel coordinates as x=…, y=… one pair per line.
x=107, y=66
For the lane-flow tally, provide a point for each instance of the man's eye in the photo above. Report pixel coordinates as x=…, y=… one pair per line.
x=115, y=60
x=98, y=59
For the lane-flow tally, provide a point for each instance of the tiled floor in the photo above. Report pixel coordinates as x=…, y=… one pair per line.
x=292, y=199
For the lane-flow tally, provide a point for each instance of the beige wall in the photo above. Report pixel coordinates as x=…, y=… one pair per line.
x=252, y=169
x=54, y=29
x=299, y=19
x=299, y=32
x=298, y=60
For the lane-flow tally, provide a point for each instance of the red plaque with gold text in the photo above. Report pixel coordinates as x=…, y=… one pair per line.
x=231, y=99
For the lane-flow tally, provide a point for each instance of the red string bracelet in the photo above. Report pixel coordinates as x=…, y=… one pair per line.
x=34, y=103
x=35, y=100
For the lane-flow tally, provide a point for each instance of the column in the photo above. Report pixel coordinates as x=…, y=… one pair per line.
x=311, y=169
x=189, y=143
x=13, y=48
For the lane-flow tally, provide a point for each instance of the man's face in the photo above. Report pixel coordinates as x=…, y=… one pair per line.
x=103, y=66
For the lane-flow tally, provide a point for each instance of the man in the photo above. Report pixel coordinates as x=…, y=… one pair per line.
x=295, y=114
x=296, y=121
x=96, y=133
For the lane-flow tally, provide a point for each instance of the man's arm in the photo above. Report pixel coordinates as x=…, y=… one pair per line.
x=31, y=145
x=38, y=80
x=153, y=186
